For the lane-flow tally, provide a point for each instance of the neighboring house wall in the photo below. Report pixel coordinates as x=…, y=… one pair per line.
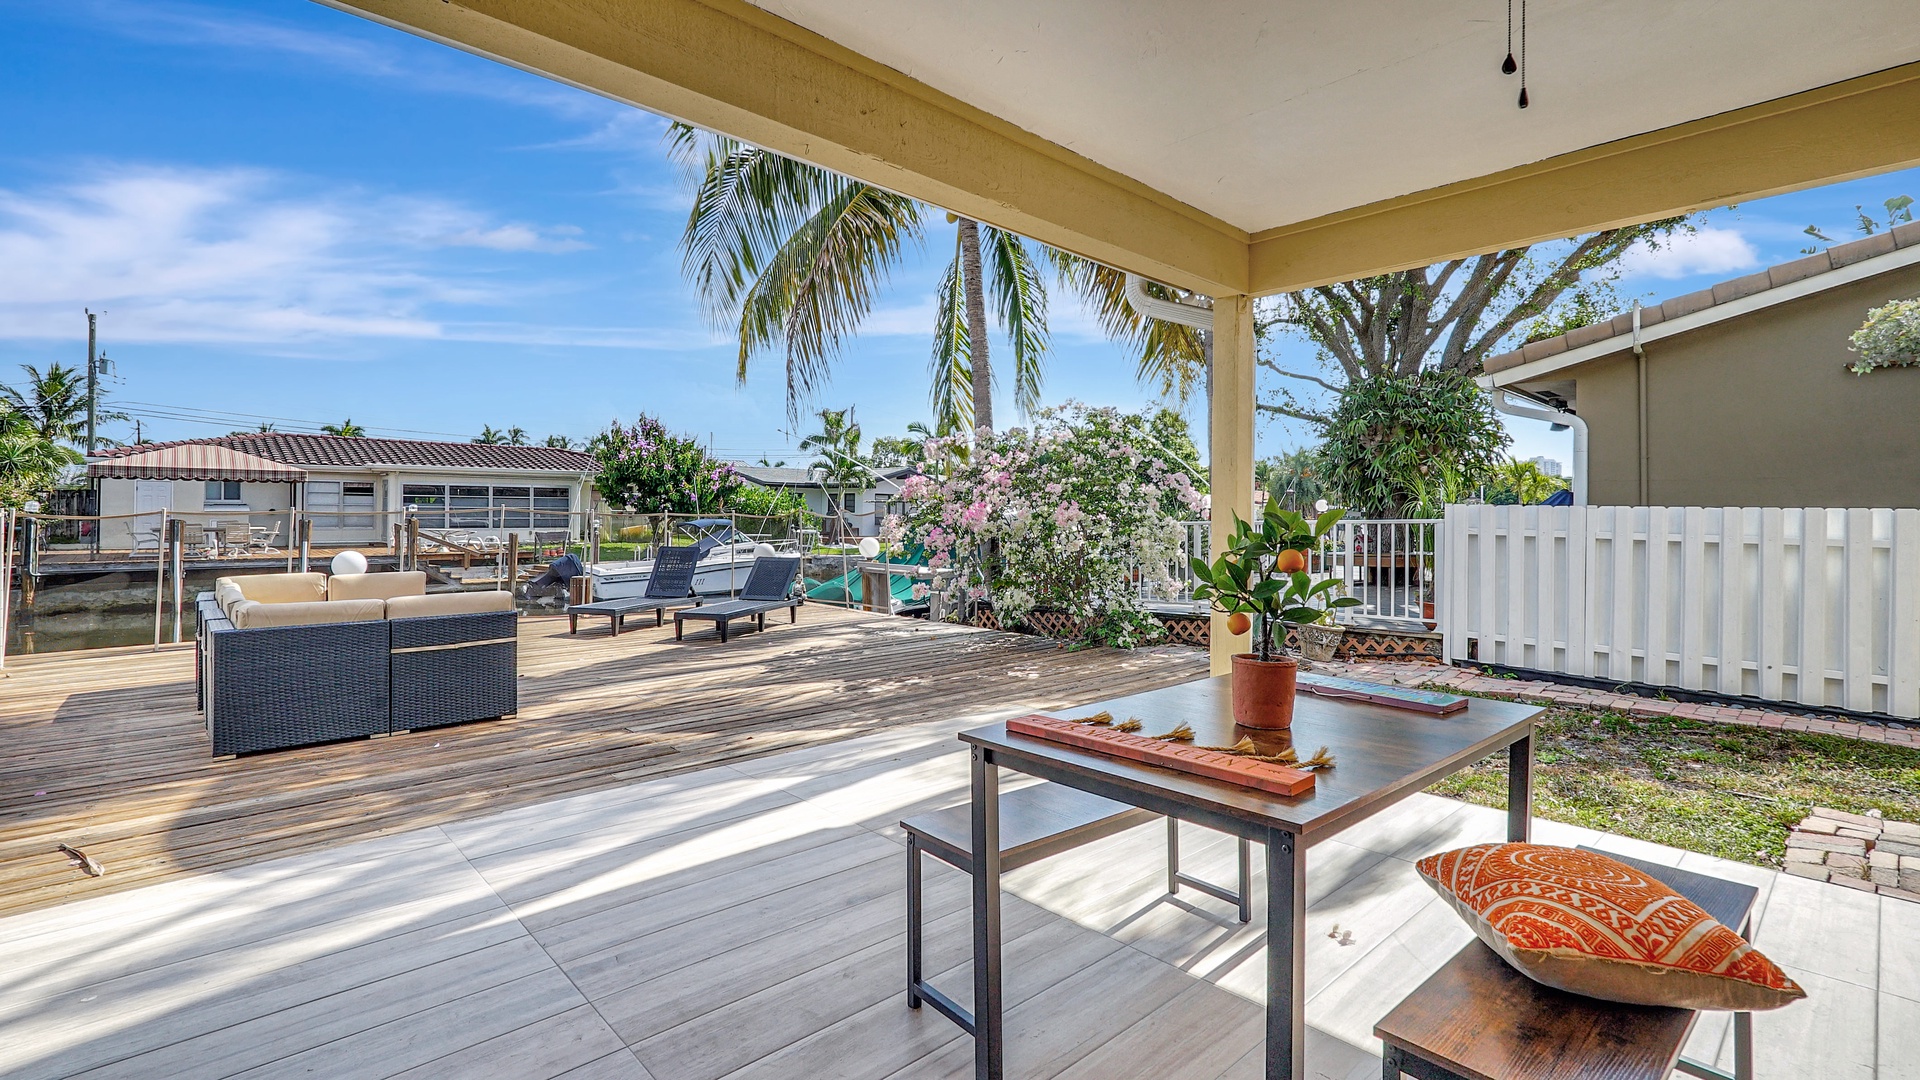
x=260, y=504
x=1759, y=410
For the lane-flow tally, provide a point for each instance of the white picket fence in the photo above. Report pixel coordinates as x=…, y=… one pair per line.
x=1814, y=606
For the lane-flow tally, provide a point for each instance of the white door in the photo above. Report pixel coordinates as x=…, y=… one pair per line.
x=150, y=497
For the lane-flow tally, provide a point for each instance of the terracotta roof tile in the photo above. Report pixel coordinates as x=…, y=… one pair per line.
x=1686, y=305
x=1587, y=335
x=1799, y=268
x=335, y=451
x=1741, y=286
x=1866, y=248
x=1907, y=235
x=1534, y=350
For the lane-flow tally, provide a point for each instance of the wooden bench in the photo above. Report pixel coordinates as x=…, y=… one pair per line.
x=618, y=610
x=1035, y=822
x=1479, y=1019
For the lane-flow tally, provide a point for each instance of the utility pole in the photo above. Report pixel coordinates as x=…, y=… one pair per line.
x=137, y=440
x=93, y=383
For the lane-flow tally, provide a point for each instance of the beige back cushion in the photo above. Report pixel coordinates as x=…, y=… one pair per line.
x=254, y=615
x=283, y=588
x=226, y=593
x=376, y=586
x=460, y=603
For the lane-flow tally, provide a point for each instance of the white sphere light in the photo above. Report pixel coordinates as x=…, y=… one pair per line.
x=349, y=562
x=1321, y=505
x=869, y=548
x=762, y=550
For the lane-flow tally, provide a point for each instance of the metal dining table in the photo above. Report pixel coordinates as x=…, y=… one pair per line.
x=1383, y=754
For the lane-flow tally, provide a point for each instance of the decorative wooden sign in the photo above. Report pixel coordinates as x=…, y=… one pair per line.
x=1394, y=697
x=1211, y=764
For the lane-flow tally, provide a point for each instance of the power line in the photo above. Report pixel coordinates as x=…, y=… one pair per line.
x=223, y=418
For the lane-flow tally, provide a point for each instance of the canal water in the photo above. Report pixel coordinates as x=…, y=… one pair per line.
x=106, y=610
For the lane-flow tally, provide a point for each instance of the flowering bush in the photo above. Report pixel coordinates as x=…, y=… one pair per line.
x=1065, y=515
x=647, y=467
x=1889, y=338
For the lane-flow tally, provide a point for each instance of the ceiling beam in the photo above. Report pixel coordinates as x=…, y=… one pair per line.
x=728, y=66
x=1839, y=132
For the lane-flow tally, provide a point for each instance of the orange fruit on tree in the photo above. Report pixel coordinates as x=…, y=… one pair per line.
x=1290, y=561
x=1238, y=623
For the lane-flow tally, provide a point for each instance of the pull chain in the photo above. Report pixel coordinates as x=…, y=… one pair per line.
x=1507, y=66
x=1523, y=52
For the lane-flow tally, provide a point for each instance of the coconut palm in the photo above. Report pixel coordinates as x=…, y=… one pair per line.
x=53, y=403
x=838, y=444
x=346, y=428
x=787, y=253
x=490, y=436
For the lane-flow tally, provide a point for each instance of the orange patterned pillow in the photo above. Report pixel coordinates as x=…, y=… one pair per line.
x=1587, y=924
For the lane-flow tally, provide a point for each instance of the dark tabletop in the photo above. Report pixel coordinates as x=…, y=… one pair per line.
x=1381, y=754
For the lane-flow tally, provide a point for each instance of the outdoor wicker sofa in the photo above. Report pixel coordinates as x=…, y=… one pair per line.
x=288, y=660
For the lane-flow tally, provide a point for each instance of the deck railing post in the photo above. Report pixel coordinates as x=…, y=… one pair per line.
x=305, y=527
x=6, y=581
x=413, y=543
x=513, y=562
x=176, y=542
x=160, y=579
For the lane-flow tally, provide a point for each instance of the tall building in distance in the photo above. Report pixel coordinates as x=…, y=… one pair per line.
x=1547, y=465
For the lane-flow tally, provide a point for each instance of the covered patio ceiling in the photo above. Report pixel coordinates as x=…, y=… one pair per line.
x=1255, y=148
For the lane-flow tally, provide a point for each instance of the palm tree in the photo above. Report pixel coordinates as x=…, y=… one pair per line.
x=559, y=442
x=490, y=436
x=53, y=405
x=517, y=436
x=838, y=443
x=782, y=250
x=346, y=428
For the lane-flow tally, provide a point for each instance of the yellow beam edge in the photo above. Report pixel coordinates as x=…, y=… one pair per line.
x=1230, y=414
x=1838, y=132
x=728, y=66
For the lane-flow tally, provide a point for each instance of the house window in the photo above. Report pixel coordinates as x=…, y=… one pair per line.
x=223, y=491
x=356, y=505
x=430, y=501
x=555, y=502
x=470, y=506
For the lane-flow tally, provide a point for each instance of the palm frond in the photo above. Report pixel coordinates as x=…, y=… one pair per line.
x=1019, y=301
x=951, y=368
x=820, y=282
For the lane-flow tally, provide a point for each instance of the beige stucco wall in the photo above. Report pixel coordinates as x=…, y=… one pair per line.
x=1760, y=410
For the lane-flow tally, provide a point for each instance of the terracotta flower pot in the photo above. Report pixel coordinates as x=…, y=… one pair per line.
x=1263, y=692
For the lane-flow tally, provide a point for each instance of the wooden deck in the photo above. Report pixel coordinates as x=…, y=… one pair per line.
x=104, y=750
x=746, y=921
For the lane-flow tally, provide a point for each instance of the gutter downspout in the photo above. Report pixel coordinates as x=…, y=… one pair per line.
x=1149, y=307
x=1640, y=365
x=1536, y=411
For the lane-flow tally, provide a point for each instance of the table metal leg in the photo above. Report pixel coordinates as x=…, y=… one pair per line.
x=989, y=1037
x=1520, y=791
x=1286, y=957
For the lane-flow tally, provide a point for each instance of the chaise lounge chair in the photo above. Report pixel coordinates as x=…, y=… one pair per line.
x=669, y=585
x=769, y=587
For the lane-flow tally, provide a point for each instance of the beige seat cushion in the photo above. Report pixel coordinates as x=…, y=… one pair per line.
x=226, y=593
x=283, y=588
x=254, y=615
x=459, y=603
x=376, y=586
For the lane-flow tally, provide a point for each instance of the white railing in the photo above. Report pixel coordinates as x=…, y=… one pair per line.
x=1815, y=606
x=1194, y=541
x=1388, y=564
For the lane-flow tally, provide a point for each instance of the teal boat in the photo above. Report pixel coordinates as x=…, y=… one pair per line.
x=847, y=588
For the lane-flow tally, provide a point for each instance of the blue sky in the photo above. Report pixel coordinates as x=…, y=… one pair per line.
x=285, y=211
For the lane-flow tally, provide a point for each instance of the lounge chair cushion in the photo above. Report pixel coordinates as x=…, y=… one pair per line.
x=459, y=603
x=282, y=588
x=254, y=615
x=1584, y=923
x=377, y=586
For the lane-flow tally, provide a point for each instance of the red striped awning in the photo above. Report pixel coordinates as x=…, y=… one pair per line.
x=193, y=461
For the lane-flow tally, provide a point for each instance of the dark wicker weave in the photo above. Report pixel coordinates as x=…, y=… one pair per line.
x=475, y=679
x=295, y=685
x=769, y=587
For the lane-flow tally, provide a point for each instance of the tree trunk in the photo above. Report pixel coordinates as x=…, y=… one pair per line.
x=976, y=324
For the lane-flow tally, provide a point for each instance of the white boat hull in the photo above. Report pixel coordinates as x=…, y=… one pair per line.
x=720, y=575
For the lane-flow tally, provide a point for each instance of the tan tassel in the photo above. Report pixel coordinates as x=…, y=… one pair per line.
x=1320, y=760
x=1183, y=733
x=1099, y=719
x=1131, y=723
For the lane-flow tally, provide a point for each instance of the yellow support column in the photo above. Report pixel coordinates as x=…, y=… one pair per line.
x=1230, y=445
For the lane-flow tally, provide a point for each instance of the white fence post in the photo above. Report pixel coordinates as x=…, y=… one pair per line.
x=1813, y=605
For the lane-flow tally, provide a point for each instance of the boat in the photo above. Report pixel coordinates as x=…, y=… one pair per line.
x=726, y=556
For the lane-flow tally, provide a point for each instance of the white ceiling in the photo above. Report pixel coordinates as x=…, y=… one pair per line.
x=1245, y=109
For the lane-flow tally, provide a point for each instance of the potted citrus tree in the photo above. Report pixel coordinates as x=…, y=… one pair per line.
x=1261, y=582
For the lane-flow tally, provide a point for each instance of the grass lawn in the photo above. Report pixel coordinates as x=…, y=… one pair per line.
x=1712, y=788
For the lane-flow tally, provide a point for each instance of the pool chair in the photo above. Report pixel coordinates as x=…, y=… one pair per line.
x=769, y=587
x=669, y=584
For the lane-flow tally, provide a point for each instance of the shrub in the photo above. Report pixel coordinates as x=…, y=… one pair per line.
x=1889, y=338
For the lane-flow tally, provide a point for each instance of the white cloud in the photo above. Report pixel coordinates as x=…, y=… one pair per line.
x=1709, y=250
x=230, y=256
x=902, y=321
